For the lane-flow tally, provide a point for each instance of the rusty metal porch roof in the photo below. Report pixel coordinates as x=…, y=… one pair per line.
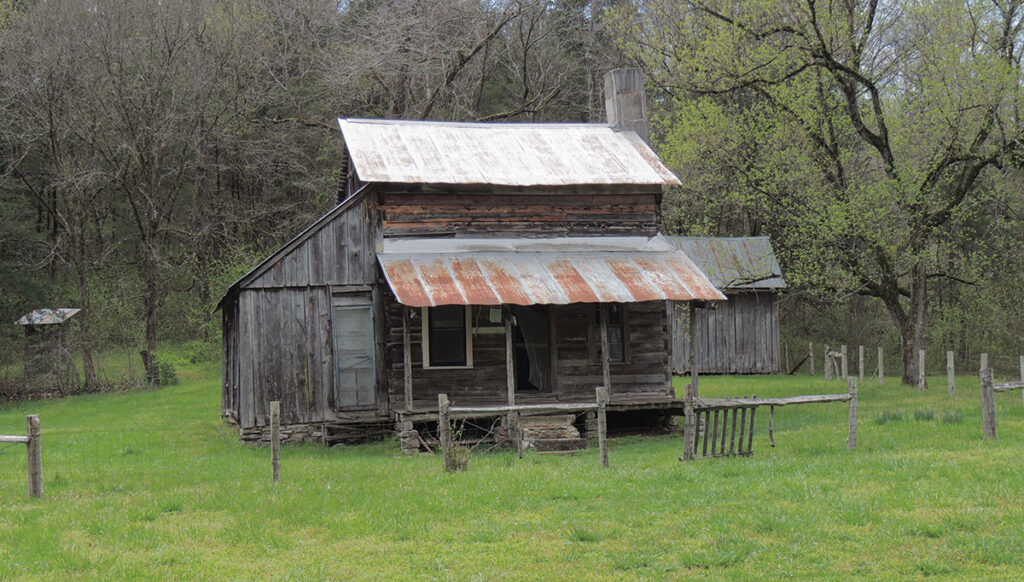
x=430, y=272
x=501, y=154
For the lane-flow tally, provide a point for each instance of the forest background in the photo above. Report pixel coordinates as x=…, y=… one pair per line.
x=151, y=153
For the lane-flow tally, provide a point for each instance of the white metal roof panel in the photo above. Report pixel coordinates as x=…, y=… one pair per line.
x=504, y=154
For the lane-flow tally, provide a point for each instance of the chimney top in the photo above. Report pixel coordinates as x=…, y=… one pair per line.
x=624, y=101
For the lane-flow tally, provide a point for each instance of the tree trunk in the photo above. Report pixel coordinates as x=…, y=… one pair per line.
x=911, y=323
x=84, y=320
x=910, y=319
x=150, y=298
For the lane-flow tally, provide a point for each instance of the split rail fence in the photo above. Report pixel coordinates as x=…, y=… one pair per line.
x=988, y=401
x=836, y=365
x=34, y=449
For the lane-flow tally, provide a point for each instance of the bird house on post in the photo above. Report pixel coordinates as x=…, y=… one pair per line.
x=47, y=349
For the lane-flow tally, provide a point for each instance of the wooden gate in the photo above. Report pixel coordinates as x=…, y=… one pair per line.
x=711, y=440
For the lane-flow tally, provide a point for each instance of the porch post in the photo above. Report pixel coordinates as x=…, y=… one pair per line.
x=605, y=365
x=693, y=350
x=510, y=359
x=511, y=422
x=407, y=356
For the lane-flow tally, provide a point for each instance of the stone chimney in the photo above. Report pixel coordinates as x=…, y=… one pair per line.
x=624, y=101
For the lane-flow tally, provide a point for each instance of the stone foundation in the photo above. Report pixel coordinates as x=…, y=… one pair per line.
x=290, y=433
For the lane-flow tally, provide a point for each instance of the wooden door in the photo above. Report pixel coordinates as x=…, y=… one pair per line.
x=355, y=384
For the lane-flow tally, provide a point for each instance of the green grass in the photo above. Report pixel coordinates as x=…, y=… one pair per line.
x=152, y=485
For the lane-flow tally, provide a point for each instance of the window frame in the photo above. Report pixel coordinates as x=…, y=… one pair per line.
x=425, y=330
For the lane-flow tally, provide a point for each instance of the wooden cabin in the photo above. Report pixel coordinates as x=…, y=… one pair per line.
x=741, y=335
x=483, y=261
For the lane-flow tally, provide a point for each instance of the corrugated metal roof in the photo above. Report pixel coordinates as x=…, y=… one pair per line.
x=47, y=316
x=504, y=154
x=540, y=271
x=734, y=262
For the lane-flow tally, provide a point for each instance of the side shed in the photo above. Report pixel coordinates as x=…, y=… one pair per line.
x=46, y=340
x=741, y=335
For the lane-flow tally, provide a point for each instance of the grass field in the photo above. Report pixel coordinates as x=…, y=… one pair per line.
x=152, y=485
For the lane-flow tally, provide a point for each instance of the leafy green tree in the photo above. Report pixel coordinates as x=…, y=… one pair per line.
x=857, y=133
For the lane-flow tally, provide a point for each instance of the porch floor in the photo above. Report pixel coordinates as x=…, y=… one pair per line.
x=426, y=409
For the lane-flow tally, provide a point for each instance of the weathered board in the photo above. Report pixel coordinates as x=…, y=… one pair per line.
x=279, y=337
x=644, y=371
x=738, y=336
x=334, y=254
x=547, y=212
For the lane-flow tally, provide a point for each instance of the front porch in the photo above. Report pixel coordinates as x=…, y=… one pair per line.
x=489, y=422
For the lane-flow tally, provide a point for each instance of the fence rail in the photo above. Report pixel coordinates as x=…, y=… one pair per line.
x=446, y=413
x=34, y=451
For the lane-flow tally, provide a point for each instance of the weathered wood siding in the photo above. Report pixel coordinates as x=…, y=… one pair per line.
x=739, y=336
x=278, y=329
x=484, y=382
x=536, y=212
x=285, y=354
x=645, y=369
x=645, y=372
x=229, y=362
x=342, y=252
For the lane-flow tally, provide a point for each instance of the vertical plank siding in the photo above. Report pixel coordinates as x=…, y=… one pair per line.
x=739, y=336
x=339, y=253
x=278, y=331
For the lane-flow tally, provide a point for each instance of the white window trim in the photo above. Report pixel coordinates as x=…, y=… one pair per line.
x=425, y=332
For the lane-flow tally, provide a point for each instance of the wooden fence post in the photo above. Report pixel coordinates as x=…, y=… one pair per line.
x=1022, y=379
x=519, y=434
x=828, y=362
x=810, y=355
x=988, y=405
x=845, y=366
x=35, y=456
x=950, y=374
x=922, y=381
x=860, y=363
x=444, y=433
x=275, y=439
x=851, y=441
x=602, y=424
x=984, y=361
x=771, y=426
x=881, y=365
x=689, y=426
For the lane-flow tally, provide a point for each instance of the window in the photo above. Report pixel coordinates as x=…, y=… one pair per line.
x=617, y=347
x=447, y=341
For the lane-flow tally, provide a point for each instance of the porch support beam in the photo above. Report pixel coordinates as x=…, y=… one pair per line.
x=407, y=357
x=605, y=363
x=510, y=359
x=692, y=391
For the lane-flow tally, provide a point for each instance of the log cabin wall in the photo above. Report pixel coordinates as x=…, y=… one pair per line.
x=645, y=369
x=412, y=210
x=484, y=382
x=278, y=342
x=739, y=336
x=577, y=372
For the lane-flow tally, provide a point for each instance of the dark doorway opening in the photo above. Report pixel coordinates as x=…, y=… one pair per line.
x=531, y=338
